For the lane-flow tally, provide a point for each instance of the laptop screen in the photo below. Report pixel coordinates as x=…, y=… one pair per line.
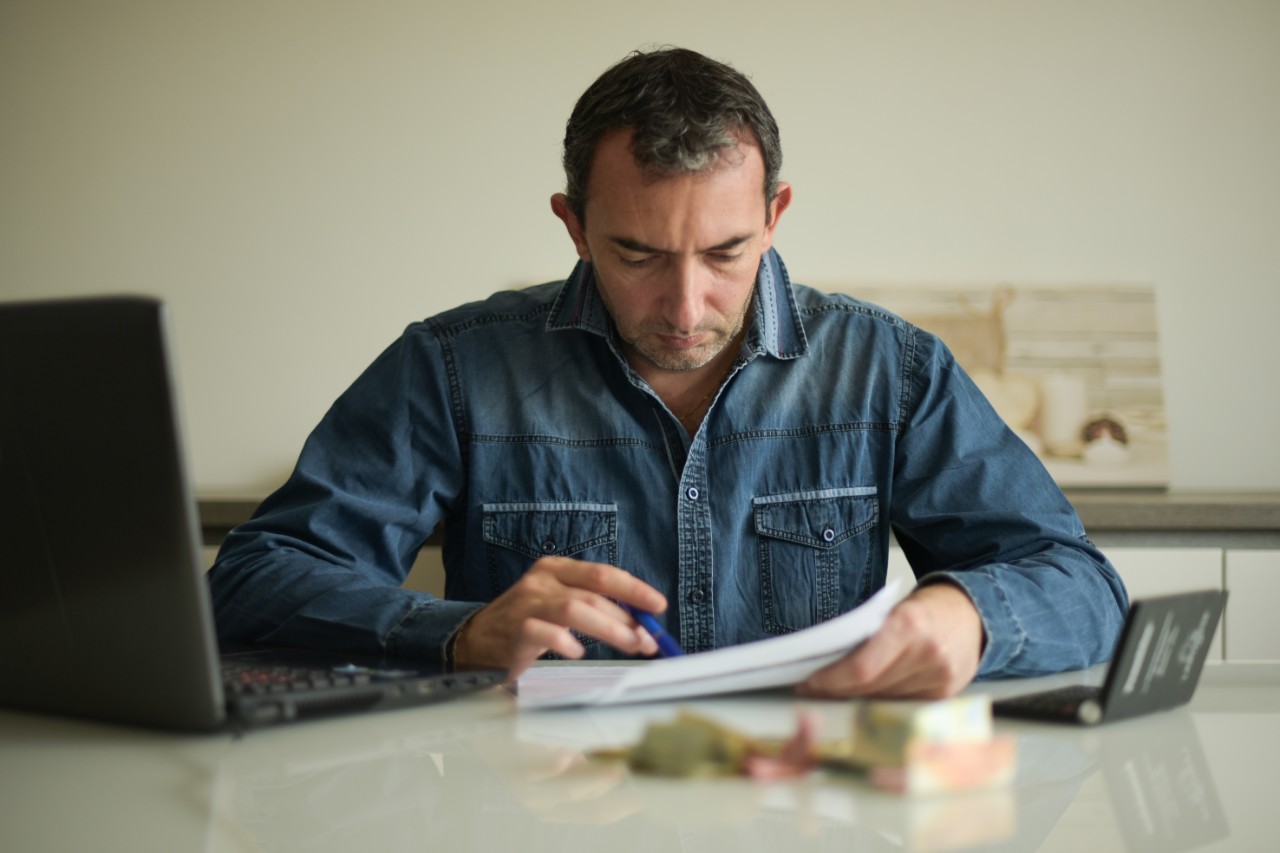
x=103, y=607
x=1161, y=653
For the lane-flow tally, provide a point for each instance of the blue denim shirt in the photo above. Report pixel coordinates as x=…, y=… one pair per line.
x=517, y=423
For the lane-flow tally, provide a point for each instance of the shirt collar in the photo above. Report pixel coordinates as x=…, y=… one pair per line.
x=776, y=329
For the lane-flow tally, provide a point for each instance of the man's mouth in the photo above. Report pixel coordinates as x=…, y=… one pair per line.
x=683, y=342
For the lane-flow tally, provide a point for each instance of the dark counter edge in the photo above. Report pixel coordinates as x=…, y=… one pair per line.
x=1144, y=517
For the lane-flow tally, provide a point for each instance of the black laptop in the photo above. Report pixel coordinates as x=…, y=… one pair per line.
x=104, y=609
x=1156, y=666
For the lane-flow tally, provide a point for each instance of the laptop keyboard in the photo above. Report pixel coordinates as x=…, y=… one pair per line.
x=256, y=679
x=1074, y=703
x=1062, y=700
x=268, y=691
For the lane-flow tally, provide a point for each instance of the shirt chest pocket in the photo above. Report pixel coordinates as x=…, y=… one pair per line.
x=816, y=550
x=516, y=534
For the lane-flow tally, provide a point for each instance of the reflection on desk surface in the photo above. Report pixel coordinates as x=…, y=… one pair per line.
x=497, y=785
x=1161, y=787
x=474, y=775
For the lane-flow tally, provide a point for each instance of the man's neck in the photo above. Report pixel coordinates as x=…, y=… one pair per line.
x=688, y=393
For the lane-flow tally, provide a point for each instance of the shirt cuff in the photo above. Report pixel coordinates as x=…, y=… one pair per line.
x=1005, y=636
x=426, y=630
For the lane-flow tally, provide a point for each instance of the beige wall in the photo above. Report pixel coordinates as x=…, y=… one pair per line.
x=300, y=179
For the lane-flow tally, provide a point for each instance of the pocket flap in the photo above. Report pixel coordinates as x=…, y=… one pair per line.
x=544, y=529
x=819, y=519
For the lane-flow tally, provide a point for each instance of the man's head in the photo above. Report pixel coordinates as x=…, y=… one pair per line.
x=673, y=203
x=684, y=110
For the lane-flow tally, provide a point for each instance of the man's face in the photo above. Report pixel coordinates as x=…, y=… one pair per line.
x=675, y=257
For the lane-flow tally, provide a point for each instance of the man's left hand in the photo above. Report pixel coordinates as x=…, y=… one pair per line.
x=928, y=648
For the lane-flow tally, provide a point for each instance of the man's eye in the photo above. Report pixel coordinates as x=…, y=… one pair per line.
x=723, y=258
x=637, y=262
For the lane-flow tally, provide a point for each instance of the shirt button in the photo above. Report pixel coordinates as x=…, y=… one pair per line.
x=697, y=596
x=828, y=535
x=692, y=493
x=548, y=547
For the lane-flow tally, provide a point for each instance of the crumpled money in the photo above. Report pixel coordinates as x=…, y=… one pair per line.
x=914, y=747
x=693, y=746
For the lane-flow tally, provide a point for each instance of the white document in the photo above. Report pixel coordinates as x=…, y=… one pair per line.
x=776, y=662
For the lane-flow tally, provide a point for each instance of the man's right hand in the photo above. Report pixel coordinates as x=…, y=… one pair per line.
x=558, y=594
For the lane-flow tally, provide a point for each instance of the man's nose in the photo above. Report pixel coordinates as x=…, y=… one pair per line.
x=685, y=300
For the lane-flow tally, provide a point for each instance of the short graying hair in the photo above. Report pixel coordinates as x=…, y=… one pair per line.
x=684, y=109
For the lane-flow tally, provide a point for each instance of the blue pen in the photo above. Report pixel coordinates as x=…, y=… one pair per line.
x=667, y=645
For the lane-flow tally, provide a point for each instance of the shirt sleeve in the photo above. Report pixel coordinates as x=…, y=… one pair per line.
x=974, y=506
x=321, y=562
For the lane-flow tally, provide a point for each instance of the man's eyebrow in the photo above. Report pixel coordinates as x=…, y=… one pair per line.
x=643, y=248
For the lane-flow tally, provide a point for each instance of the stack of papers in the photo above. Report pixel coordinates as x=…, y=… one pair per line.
x=776, y=662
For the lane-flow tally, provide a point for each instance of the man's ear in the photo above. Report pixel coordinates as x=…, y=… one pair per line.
x=572, y=224
x=780, y=202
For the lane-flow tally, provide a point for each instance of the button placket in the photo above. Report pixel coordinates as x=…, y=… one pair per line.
x=693, y=523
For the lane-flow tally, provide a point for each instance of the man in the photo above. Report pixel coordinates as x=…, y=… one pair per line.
x=679, y=428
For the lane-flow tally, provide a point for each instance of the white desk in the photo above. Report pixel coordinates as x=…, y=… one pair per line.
x=474, y=775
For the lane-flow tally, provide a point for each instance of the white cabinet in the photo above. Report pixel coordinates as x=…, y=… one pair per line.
x=1253, y=579
x=1159, y=571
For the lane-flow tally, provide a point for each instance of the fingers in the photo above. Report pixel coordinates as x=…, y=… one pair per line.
x=595, y=616
x=580, y=595
x=602, y=579
x=928, y=647
x=555, y=598
x=538, y=637
x=866, y=671
x=906, y=679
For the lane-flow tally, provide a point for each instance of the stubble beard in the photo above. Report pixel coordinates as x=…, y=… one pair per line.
x=645, y=343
